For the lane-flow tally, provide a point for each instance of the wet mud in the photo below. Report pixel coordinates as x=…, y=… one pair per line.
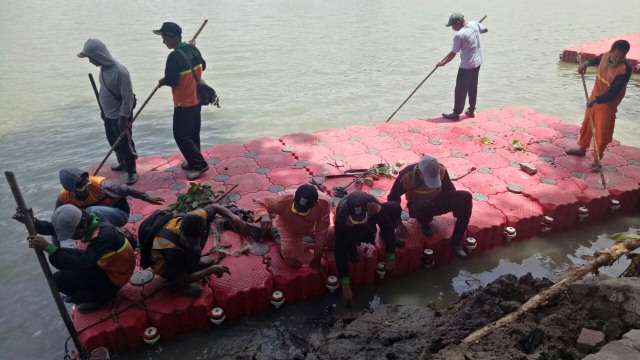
x=609, y=305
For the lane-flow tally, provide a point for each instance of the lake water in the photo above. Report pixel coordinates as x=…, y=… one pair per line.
x=280, y=67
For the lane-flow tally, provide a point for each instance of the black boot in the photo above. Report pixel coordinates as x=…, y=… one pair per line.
x=121, y=165
x=132, y=175
x=456, y=238
x=353, y=254
x=456, y=246
x=425, y=230
x=118, y=167
x=452, y=116
x=132, y=178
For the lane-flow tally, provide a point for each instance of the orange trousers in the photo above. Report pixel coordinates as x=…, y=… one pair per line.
x=291, y=246
x=604, y=120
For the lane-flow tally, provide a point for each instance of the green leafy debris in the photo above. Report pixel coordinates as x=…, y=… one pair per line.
x=197, y=196
x=517, y=145
x=486, y=140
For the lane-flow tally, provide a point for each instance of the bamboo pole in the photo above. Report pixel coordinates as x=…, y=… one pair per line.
x=604, y=257
x=124, y=133
x=22, y=206
x=95, y=91
x=199, y=30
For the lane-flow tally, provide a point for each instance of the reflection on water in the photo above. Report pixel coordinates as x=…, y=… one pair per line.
x=279, y=67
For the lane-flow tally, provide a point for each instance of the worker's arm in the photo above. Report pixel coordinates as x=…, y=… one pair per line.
x=398, y=189
x=239, y=225
x=118, y=190
x=446, y=60
x=582, y=68
x=186, y=279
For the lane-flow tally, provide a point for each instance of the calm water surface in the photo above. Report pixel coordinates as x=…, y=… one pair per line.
x=279, y=67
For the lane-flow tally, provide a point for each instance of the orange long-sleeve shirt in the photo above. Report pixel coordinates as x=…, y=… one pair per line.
x=315, y=225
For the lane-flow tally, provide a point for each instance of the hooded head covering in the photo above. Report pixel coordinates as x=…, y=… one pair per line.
x=97, y=51
x=69, y=178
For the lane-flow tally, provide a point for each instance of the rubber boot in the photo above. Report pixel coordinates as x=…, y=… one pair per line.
x=132, y=175
x=456, y=238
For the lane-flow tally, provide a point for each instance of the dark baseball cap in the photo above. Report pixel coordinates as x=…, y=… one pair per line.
x=169, y=28
x=430, y=169
x=305, y=199
x=357, y=205
x=65, y=220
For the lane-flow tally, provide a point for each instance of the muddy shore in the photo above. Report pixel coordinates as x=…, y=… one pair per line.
x=609, y=305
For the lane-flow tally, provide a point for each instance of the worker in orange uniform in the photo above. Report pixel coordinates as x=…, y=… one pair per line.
x=612, y=77
x=304, y=212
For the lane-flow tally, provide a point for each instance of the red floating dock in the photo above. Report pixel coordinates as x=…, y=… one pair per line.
x=504, y=197
x=593, y=49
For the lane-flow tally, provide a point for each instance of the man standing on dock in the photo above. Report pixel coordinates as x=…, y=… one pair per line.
x=186, y=110
x=467, y=43
x=116, y=102
x=430, y=192
x=612, y=77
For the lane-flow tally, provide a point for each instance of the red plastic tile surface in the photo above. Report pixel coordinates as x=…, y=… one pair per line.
x=295, y=284
x=521, y=213
x=248, y=289
x=249, y=183
x=174, y=313
x=275, y=160
x=225, y=151
x=486, y=226
x=409, y=257
x=557, y=201
x=362, y=272
x=237, y=165
x=264, y=145
x=99, y=329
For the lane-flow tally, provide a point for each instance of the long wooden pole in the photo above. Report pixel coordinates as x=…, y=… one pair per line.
x=124, y=133
x=22, y=206
x=422, y=82
x=95, y=91
x=604, y=257
x=200, y=29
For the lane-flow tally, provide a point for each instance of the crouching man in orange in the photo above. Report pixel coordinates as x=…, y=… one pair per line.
x=304, y=212
x=612, y=77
